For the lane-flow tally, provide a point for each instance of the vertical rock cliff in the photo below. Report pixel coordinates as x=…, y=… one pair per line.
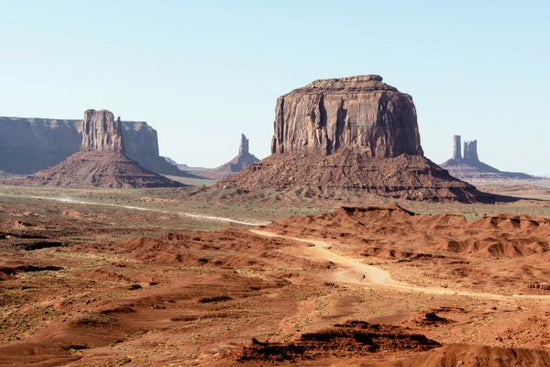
x=101, y=161
x=31, y=144
x=457, y=148
x=100, y=131
x=359, y=112
x=470, y=151
x=348, y=137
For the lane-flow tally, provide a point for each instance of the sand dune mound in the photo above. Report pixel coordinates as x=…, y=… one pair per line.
x=501, y=254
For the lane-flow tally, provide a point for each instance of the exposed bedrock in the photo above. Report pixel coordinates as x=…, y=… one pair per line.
x=31, y=144
x=457, y=148
x=349, y=137
x=470, y=151
x=101, y=161
x=100, y=131
x=358, y=112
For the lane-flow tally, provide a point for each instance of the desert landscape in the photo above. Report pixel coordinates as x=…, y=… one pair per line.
x=368, y=254
x=222, y=232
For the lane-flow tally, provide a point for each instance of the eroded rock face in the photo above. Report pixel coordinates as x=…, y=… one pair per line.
x=100, y=131
x=101, y=161
x=470, y=151
x=343, y=139
x=359, y=112
x=28, y=145
x=457, y=149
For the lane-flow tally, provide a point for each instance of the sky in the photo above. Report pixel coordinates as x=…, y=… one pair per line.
x=203, y=72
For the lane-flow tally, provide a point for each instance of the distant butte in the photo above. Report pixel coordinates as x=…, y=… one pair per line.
x=469, y=167
x=349, y=136
x=101, y=161
x=243, y=159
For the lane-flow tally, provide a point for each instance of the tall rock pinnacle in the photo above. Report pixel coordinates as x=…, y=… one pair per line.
x=457, y=148
x=101, y=132
x=470, y=151
x=470, y=167
x=101, y=161
x=243, y=148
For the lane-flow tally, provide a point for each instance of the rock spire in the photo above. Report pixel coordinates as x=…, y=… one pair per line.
x=100, y=131
x=457, y=148
x=470, y=151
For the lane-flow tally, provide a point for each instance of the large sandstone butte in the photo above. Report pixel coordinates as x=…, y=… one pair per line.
x=469, y=167
x=101, y=161
x=242, y=160
x=359, y=112
x=28, y=145
x=353, y=135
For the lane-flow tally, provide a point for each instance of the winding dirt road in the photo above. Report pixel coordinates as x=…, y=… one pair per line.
x=364, y=274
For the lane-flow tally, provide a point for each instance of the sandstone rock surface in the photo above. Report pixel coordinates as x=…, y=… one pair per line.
x=101, y=161
x=359, y=112
x=348, y=137
x=31, y=144
x=101, y=132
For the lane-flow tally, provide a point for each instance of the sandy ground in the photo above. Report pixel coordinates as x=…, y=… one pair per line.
x=111, y=285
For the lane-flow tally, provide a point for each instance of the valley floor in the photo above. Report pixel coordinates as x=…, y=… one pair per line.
x=125, y=277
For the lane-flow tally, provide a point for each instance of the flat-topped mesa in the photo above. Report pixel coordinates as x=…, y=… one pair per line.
x=101, y=132
x=360, y=112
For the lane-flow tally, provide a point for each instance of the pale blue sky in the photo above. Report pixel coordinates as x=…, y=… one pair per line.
x=202, y=72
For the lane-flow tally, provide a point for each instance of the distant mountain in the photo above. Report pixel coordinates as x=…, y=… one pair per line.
x=243, y=159
x=468, y=166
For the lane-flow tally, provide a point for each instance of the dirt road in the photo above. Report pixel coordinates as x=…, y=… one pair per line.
x=364, y=274
x=65, y=199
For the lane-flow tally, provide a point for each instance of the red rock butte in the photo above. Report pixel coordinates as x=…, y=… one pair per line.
x=358, y=112
x=350, y=136
x=101, y=161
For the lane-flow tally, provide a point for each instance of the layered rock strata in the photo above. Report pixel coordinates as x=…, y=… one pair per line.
x=349, y=136
x=101, y=161
x=28, y=145
x=358, y=112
